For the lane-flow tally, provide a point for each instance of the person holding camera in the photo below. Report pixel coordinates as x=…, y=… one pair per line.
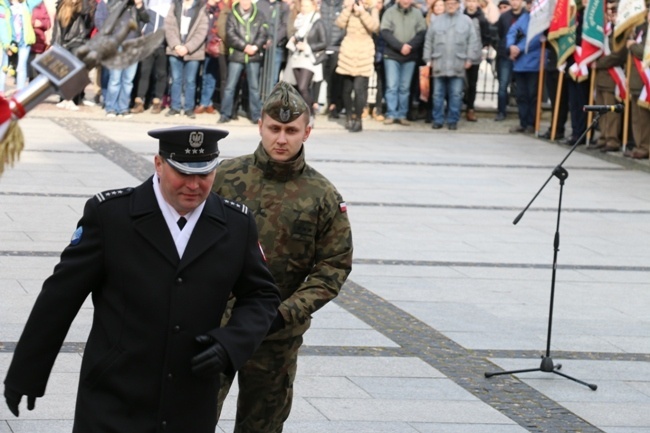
x=359, y=19
x=307, y=48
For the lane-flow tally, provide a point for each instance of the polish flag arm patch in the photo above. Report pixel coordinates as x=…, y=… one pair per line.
x=343, y=207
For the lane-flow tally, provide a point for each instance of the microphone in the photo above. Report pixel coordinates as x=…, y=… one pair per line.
x=618, y=108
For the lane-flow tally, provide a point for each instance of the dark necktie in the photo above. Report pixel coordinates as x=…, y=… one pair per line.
x=181, y=222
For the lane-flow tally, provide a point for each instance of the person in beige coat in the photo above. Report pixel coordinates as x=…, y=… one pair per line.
x=359, y=19
x=186, y=29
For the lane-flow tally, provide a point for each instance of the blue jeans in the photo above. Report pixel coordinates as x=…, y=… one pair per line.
x=253, y=77
x=210, y=74
x=504, y=72
x=277, y=63
x=21, y=67
x=183, y=82
x=527, y=97
x=118, y=92
x=3, y=74
x=398, y=87
x=450, y=88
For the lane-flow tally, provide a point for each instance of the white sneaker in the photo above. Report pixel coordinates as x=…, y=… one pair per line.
x=88, y=103
x=62, y=104
x=111, y=115
x=125, y=115
x=72, y=106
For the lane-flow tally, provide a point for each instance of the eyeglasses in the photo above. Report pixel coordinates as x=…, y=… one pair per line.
x=612, y=10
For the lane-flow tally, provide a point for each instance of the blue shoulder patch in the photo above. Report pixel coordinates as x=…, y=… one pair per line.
x=239, y=206
x=76, y=236
x=113, y=193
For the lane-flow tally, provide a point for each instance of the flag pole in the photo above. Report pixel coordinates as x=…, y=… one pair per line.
x=556, y=106
x=626, y=113
x=592, y=84
x=540, y=88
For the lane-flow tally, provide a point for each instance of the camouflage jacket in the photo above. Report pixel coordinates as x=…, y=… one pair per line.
x=303, y=228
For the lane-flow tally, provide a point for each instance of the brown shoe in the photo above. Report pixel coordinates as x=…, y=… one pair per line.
x=210, y=109
x=404, y=122
x=364, y=113
x=640, y=154
x=200, y=109
x=138, y=107
x=156, y=107
x=471, y=116
x=606, y=149
x=377, y=116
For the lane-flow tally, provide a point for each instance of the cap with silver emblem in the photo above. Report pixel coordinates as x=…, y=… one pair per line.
x=190, y=150
x=284, y=103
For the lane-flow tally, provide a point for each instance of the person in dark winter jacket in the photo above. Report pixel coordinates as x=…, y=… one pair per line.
x=246, y=34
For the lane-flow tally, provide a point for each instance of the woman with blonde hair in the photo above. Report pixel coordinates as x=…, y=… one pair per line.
x=436, y=7
x=359, y=19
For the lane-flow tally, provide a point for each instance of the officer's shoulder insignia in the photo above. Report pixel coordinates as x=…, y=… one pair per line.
x=238, y=206
x=113, y=193
x=76, y=236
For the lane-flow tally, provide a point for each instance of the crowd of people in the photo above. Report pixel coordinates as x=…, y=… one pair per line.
x=223, y=58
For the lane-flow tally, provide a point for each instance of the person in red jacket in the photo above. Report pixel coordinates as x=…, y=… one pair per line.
x=41, y=22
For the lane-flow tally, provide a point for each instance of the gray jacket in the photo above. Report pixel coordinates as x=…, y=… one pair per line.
x=450, y=41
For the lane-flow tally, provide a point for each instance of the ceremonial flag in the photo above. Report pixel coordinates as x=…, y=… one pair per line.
x=646, y=54
x=562, y=31
x=540, y=18
x=631, y=13
x=593, y=39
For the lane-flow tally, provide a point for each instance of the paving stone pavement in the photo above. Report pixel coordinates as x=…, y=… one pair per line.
x=444, y=287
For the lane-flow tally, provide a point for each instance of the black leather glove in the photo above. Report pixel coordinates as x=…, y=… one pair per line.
x=277, y=324
x=13, y=400
x=211, y=361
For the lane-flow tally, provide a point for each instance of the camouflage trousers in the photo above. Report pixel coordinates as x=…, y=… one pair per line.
x=265, y=387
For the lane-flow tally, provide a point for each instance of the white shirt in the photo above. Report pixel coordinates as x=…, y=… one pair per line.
x=181, y=237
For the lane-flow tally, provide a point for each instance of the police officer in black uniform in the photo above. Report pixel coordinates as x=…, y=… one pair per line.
x=160, y=261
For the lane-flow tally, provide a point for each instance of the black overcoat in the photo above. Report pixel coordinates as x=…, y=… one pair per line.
x=149, y=306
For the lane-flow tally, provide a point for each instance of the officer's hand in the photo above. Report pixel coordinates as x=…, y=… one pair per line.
x=277, y=324
x=211, y=361
x=13, y=401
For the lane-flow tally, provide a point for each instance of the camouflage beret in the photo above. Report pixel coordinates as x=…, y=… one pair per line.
x=284, y=103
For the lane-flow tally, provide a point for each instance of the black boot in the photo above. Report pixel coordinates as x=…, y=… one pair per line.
x=356, y=126
x=348, y=122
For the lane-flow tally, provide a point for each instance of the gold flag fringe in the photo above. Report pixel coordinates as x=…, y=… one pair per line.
x=11, y=145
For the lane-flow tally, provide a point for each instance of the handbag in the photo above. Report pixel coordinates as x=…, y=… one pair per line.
x=213, y=45
x=425, y=83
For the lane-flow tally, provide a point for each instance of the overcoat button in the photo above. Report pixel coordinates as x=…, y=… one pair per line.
x=177, y=328
x=164, y=425
x=179, y=280
x=170, y=376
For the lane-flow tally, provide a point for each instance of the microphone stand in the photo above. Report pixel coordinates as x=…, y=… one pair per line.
x=547, y=365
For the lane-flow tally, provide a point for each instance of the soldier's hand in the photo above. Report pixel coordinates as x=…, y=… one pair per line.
x=13, y=398
x=211, y=361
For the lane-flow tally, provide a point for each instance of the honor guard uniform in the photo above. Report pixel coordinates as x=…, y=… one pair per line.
x=159, y=288
x=306, y=236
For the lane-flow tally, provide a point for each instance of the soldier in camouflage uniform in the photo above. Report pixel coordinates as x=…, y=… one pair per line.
x=305, y=234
